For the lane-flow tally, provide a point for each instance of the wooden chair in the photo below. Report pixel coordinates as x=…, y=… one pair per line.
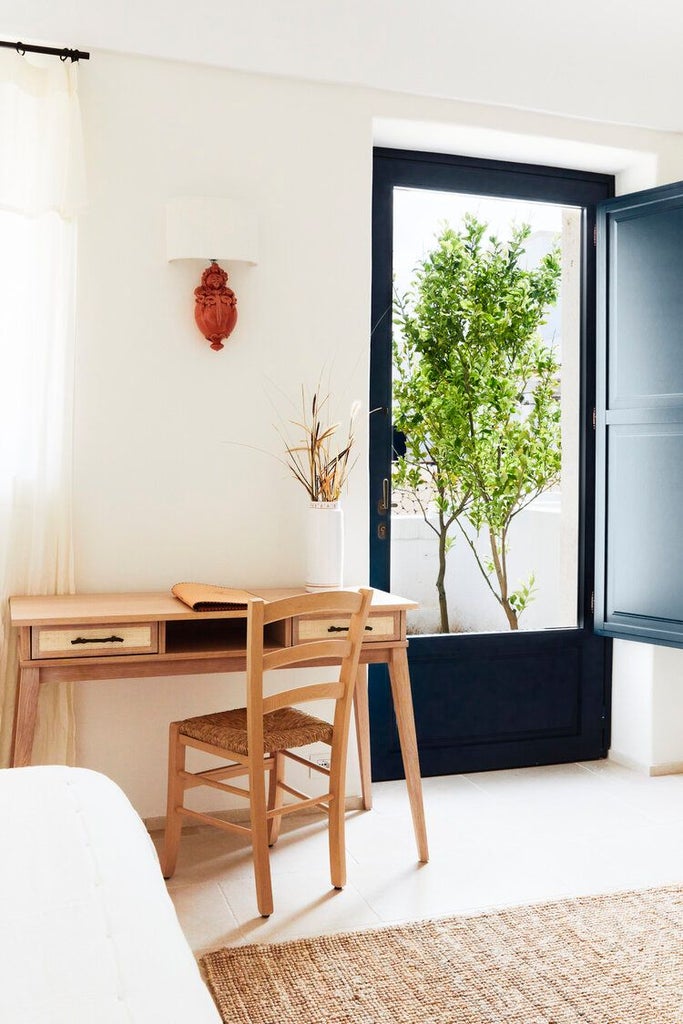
x=259, y=738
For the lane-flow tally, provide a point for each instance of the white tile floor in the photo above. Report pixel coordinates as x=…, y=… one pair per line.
x=496, y=839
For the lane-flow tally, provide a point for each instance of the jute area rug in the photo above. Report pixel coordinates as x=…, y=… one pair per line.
x=614, y=959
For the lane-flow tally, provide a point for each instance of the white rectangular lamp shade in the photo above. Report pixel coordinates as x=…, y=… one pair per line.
x=211, y=229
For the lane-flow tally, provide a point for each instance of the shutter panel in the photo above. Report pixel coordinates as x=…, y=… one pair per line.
x=639, y=422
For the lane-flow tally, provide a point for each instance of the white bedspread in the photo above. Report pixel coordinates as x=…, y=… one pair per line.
x=88, y=933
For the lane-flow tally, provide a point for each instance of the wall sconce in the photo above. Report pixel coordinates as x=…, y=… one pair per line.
x=212, y=230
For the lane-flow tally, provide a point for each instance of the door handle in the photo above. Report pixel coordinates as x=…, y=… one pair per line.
x=383, y=505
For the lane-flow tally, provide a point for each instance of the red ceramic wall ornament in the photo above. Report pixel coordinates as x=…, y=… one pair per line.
x=215, y=310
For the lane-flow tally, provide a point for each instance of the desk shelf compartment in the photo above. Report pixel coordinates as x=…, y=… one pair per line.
x=218, y=636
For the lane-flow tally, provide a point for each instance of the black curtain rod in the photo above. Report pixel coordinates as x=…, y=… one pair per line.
x=63, y=54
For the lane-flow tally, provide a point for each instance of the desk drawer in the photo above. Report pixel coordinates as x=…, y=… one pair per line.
x=382, y=626
x=91, y=641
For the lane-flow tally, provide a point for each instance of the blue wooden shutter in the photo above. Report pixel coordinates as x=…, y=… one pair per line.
x=639, y=417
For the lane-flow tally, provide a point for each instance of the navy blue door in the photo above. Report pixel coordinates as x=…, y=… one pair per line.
x=489, y=699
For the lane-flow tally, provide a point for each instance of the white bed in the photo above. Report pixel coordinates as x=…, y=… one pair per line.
x=88, y=933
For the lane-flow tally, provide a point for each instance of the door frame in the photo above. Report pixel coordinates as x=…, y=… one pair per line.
x=444, y=172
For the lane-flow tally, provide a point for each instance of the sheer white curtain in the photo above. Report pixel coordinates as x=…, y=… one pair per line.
x=41, y=190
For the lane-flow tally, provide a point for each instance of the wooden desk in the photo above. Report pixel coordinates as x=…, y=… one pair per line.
x=66, y=638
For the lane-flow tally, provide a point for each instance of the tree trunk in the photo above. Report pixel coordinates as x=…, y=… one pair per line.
x=500, y=566
x=511, y=614
x=440, y=587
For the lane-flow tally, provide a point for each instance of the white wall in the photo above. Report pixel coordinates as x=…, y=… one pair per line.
x=632, y=704
x=165, y=488
x=168, y=484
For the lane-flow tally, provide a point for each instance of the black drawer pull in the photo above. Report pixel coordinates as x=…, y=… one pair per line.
x=344, y=629
x=98, y=640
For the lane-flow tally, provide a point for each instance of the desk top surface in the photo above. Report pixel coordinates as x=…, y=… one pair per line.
x=61, y=609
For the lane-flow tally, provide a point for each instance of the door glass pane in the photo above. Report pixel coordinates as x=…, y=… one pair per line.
x=484, y=527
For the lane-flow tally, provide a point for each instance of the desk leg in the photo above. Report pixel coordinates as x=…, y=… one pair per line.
x=405, y=721
x=25, y=711
x=361, y=714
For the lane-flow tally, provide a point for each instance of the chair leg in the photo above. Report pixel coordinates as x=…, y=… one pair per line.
x=176, y=790
x=275, y=797
x=337, y=812
x=259, y=839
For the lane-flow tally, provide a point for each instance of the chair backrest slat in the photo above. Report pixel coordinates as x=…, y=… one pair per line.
x=314, y=651
x=303, y=694
x=327, y=602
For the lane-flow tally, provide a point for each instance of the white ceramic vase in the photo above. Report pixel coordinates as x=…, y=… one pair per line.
x=324, y=545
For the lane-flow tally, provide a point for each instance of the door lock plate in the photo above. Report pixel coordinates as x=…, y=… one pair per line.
x=382, y=531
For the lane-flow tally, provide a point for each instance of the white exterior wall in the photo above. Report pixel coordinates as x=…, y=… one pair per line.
x=164, y=488
x=534, y=546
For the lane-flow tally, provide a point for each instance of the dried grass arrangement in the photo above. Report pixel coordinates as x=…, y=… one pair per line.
x=320, y=465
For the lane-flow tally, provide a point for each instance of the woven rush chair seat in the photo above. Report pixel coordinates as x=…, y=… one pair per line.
x=282, y=729
x=258, y=741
